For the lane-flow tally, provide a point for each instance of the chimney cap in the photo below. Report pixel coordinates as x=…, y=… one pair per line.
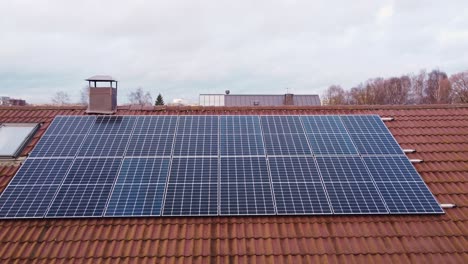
x=103, y=78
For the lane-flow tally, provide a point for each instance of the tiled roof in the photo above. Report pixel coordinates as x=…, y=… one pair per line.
x=438, y=133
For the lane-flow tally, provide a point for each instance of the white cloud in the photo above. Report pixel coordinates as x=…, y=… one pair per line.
x=183, y=48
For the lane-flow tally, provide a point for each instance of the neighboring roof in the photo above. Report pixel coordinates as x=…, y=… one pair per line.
x=103, y=78
x=265, y=99
x=438, y=133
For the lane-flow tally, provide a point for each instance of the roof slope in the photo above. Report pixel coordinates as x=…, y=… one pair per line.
x=438, y=133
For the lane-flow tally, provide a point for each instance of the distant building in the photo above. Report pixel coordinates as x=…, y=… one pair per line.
x=7, y=101
x=258, y=99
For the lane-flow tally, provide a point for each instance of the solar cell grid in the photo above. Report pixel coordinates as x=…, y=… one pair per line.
x=301, y=198
x=372, y=144
x=103, y=145
x=196, y=145
x=246, y=199
x=150, y=145
x=205, y=125
x=342, y=169
x=370, y=124
x=58, y=146
x=391, y=169
x=293, y=169
x=93, y=171
x=155, y=125
x=26, y=200
x=244, y=169
x=136, y=200
x=355, y=198
x=113, y=125
x=42, y=172
x=143, y=171
x=286, y=144
x=194, y=170
x=240, y=125
x=323, y=124
x=331, y=144
x=191, y=199
x=281, y=124
x=234, y=145
x=408, y=197
x=68, y=125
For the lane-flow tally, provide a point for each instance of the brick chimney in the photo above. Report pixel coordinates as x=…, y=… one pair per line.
x=102, y=95
x=289, y=99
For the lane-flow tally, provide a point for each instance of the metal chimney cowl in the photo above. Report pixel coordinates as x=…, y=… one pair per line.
x=102, y=98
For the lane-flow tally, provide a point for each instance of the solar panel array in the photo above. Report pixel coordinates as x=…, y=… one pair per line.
x=119, y=166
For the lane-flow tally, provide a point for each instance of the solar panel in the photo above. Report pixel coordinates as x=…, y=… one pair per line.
x=155, y=125
x=281, y=124
x=58, y=146
x=70, y=125
x=196, y=145
x=376, y=144
x=150, y=145
x=331, y=144
x=241, y=145
x=118, y=166
x=113, y=125
x=369, y=124
x=240, y=125
x=104, y=145
x=323, y=124
x=286, y=144
x=205, y=125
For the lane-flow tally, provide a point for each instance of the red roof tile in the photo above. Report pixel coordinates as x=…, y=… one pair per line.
x=438, y=133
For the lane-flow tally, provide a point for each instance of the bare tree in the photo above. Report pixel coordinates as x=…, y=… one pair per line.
x=418, y=82
x=84, y=95
x=459, y=82
x=60, y=98
x=334, y=95
x=140, y=97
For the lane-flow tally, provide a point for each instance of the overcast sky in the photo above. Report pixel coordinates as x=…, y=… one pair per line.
x=184, y=48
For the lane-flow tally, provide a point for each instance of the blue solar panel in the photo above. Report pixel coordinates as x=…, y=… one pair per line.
x=216, y=165
x=286, y=144
x=397, y=168
x=80, y=200
x=113, y=125
x=355, y=198
x=93, y=171
x=144, y=171
x=342, y=169
x=191, y=199
x=194, y=170
x=150, y=145
x=26, y=200
x=331, y=144
x=376, y=144
x=205, y=125
x=244, y=169
x=69, y=125
x=104, y=145
x=293, y=169
x=240, y=125
x=246, y=199
x=323, y=124
x=369, y=124
x=42, y=172
x=301, y=198
x=196, y=145
x=237, y=145
x=281, y=124
x=408, y=198
x=136, y=200
x=155, y=125
x=58, y=146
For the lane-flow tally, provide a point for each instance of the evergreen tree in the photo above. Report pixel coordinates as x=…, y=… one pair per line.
x=159, y=100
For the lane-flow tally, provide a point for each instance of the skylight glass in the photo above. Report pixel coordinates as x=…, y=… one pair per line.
x=14, y=136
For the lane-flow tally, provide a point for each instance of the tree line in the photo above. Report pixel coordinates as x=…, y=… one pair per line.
x=434, y=87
